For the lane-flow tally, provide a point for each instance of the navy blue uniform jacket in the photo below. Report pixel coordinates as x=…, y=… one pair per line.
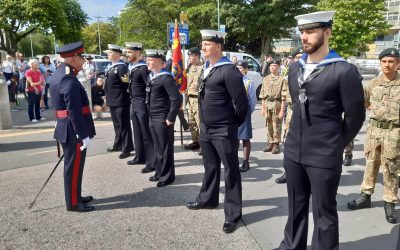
x=320, y=141
x=137, y=84
x=67, y=93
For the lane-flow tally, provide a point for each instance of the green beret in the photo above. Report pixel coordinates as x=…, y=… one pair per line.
x=297, y=51
x=194, y=51
x=275, y=61
x=392, y=52
x=242, y=63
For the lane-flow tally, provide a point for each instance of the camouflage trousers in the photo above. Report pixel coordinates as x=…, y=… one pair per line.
x=193, y=117
x=273, y=123
x=382, y=149
x=289, y=112
x=348, y=150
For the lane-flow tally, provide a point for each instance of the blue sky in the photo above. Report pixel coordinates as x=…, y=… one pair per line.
x=103, y=8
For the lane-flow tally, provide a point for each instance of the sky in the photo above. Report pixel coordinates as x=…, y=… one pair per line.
x=103, y=8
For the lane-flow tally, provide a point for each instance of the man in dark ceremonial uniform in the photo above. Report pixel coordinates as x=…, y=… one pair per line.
x=138, y=74
x=223, y=107
x=74, y=127
x=163, y=101
x=322, y=87
x=118, y=100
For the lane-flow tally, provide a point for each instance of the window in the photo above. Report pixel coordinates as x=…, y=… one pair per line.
x=253, y=64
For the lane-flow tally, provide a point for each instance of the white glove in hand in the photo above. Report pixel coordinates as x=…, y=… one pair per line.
x=86, y=143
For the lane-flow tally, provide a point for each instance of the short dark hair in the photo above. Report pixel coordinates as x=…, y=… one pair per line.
x=43, y=61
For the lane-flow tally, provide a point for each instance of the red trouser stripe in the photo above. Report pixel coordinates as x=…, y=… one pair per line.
x=75, y=173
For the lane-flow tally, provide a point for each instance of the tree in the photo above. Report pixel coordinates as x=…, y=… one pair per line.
x=356, y=24
x=263, y=20
x=42, y=44
x=19, y=18
x=90, y=36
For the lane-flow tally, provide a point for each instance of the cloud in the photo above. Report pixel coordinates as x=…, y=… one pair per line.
x=102, y=8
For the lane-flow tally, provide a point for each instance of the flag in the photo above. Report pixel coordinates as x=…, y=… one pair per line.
x=177, y=63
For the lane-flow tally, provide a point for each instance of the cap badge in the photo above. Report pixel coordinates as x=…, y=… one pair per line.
x=392, y=52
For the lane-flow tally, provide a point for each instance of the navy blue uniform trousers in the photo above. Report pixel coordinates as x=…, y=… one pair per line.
x=122, y=127
x=322, y=183
x=74, y=161
x=163, y=138
x=143, y=141
x=216, y=149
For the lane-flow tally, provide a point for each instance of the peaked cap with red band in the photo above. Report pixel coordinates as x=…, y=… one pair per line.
x=70, y=50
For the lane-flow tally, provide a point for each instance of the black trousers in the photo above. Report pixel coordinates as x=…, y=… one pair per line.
x=163, y=138
x=122, y=128
x=74, y=161
x=34, y=105
x=46, y=95
x=143, y=141
x=216, y=149
x=322, y=183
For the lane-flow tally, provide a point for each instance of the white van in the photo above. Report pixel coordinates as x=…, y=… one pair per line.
x=254, y=72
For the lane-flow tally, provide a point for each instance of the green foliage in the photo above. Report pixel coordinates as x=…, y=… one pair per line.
x=18, y=18
x=42, y=44
x=90, y=37
x=356, y=24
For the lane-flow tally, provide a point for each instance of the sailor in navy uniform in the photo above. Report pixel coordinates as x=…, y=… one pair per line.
x=138, y=75
x=118, y=100
x=322, y=86
x=74, y=127
x=223, y=107
x=163, y=101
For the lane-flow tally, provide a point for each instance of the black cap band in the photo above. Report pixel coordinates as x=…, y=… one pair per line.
x=316, y=25
x=215, y=39
x=116, y=50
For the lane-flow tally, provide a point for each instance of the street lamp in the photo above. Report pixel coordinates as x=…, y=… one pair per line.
x=30, y=36
x=218, y=12
x=98, y=31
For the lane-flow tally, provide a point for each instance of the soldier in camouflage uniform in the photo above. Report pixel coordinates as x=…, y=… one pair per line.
x=271, y=106
x=194, y=71
x=382, y=147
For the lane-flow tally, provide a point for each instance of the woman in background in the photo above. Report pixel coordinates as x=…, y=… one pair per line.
x=34, y=87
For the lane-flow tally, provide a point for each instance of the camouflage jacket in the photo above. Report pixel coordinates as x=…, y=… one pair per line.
x=285, y=92
x=382, y=97
x=272, y=88
x=193, y=79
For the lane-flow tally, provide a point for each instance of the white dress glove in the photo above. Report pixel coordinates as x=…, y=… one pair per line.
x=86, y=143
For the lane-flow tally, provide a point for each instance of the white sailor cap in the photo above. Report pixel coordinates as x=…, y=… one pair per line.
x=155, y=54
x=115, y=48
x=315, y=20
x=213, y=36
x=133, y=46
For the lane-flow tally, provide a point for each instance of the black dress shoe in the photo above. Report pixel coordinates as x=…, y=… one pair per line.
x=153, y=178
x=281, y=179
x=147, y=170
x=163, y=184
x=124, y=155
x=245, y=166
x=80, y=208
x=135, y=162
x=229, y=227
x=86, y=199
x=195, y=206
x=113, y=149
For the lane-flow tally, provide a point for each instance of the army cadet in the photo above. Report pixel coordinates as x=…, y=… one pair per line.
x=270, y=95
x=163, y=101
x=193, y=75
x=286, y=104
x=223, y=108
x=118, y=100
x=382, y=98
x=74, y=127
x=138, y=75
x=323, y=86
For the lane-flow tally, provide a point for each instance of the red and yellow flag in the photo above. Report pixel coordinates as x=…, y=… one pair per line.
x=177, y=69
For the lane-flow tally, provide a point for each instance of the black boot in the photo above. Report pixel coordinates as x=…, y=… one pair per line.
x=282, y=179
x=245, y=166
x=390, y=212
x=347, y=160
x=363, y=201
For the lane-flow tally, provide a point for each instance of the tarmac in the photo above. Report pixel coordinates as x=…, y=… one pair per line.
x=132, y=213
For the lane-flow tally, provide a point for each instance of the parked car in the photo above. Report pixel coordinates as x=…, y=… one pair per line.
x=100, y=65
x=95, y=56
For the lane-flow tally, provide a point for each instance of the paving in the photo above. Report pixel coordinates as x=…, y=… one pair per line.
x=132, y=213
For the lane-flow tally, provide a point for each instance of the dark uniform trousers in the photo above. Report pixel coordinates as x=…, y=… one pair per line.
x=322, y=183
x=144, y=147
x=217, y=148
x=122, y=127
x=74, y=161
x=163, y=138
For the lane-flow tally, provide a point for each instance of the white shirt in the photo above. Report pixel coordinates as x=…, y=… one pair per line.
x=7, y=66
x=309, y=68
